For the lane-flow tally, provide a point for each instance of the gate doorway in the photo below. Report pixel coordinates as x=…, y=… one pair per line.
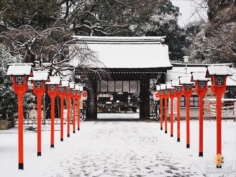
x=118, y=105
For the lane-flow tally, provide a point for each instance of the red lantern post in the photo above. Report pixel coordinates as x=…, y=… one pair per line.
x=61, y=94
x=218, y=76
x=78, y=109
x=165, y=96
x=187, y=92
x=39, y=78
x=19, y=73
x=161, y=107
x=178, y=94
x=68, y=96
x=53, y=92
x=74, y=95
x=201, y=90
x=171, y=96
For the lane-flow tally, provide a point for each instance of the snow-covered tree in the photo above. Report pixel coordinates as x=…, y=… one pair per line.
x=8, y=99
x=162, y=20
x=42, y=30
x=217, y=40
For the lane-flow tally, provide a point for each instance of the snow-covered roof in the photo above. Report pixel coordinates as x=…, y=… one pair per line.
x=189, y=65
x=54, y=80
x=185, y=80
x=199, y=76
x=19, y=69
x=169, y=85
x=129, y=52
x=219, y=70
x=39, y=76
x=198, y=72
x=72, y=85
x=175, y=82
x=158, y=87
x=79, y=87
x=163, y=86
x=64, y=83
x=106, y=39
x=177, y=72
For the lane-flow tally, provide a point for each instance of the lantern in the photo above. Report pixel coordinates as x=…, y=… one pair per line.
x=178, y=94
x=201, y=90
x=187, y=92
x=53, y=92
x=218, y=74
x=19, y=73
x=38, y=79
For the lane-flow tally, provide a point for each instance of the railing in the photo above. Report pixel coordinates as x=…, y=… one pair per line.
x=228, y=108
x=47, y=121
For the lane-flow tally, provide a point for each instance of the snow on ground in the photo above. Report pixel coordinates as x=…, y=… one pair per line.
x=118, y=115
x=119, y=148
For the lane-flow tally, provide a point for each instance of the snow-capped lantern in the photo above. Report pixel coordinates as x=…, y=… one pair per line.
x=39, y=78
x=171, y=100
x=53, y=92
x=178, y=94
x=218, y=75
x=187, y=92
x=19, y=73
x=201, y=90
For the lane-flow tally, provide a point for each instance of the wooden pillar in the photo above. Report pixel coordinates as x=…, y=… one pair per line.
x=144, y=98
x=91, y=103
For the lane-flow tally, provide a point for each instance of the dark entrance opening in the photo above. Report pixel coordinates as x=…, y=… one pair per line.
x=118, y=105
x=118, y=93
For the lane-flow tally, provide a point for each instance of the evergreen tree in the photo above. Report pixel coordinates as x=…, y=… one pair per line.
x=8, y=98
x=216, y=41
x=162, y=20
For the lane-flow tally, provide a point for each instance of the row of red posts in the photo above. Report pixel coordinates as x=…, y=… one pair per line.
x=55, y=87
x=183, y=86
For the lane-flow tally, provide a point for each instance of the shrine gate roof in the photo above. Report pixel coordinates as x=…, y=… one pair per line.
x=129, y=52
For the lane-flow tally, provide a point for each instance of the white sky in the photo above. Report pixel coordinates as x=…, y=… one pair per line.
x=187, y=9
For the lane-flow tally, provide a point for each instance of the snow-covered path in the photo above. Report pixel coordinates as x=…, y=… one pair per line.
x=118, y=148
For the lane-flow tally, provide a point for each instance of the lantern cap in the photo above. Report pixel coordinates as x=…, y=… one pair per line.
x=218, y=70
x=54, y=80
x=163, y=86
x=18, y=69
x=175, y=83
x=39, y=75
x=72, y=85
x=199, y=76
x=169, y=86
x=185, y=80
x=79, y=87
x=64, y=83
x=158, y=87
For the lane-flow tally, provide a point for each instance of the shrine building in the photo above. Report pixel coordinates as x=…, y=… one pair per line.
x=132, y=67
